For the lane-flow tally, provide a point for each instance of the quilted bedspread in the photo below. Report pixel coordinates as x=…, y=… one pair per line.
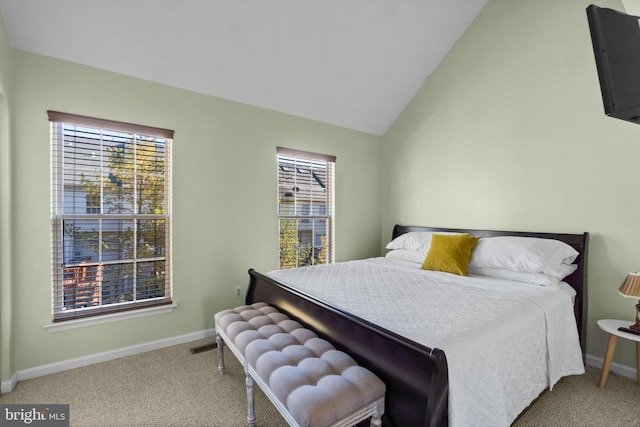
x=505, y=341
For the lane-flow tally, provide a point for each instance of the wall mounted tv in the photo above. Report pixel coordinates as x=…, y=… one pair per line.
x=616, y=44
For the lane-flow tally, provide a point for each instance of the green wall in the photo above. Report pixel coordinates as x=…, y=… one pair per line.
x=509, y=133
x=6, y=324
x=224, y=198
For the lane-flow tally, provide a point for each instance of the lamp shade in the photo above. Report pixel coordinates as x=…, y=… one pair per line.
x=631, y=285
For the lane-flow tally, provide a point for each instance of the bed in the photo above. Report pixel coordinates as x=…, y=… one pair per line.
x=430, y=376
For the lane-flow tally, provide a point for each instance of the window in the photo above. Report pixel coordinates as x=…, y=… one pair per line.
x=111, y=222
x=305, y=208
x=93, y=204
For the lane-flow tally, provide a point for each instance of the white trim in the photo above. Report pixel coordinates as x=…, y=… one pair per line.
x=624, y=370
x=9, y=385
x=65, y=365
x=52, y=368
x=106, y=318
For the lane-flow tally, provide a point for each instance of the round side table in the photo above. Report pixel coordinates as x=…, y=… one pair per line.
x=611, y=327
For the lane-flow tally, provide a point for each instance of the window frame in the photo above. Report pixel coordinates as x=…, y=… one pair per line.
x=136, y=136
x=309, y=213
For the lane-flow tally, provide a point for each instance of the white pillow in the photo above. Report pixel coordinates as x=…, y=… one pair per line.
x=407, y=255
x=563, y=270
x=518, y=276
x=415, y=241
x=524, y=254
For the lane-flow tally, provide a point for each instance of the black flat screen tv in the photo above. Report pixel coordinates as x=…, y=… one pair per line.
x=616, y=45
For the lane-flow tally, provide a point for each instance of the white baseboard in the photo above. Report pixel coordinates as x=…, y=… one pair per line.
x=7, y=386
x=52, y=368
x=625, y=371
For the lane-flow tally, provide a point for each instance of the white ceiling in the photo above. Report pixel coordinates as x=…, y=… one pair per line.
x=351, y=63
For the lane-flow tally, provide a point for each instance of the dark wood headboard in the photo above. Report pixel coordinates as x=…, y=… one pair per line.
x=577, y=280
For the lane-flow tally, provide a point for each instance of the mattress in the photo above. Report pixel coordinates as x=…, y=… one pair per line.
x=505, y=341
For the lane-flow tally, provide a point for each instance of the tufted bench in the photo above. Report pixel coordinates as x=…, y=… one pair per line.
x=305, y=377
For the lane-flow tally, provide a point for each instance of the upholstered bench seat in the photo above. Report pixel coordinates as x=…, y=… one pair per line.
x=243, y=324
x=306, y=378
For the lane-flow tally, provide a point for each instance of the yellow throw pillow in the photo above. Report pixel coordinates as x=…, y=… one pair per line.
x=450, y=253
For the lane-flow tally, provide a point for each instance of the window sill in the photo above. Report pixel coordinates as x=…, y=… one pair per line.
x=107, y=318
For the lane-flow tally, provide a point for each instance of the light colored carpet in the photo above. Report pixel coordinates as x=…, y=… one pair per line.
x=173, y=387
x=166, y=387
x=578, y=401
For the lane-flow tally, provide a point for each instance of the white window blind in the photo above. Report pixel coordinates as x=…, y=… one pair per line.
x=305, y=208
x=110, y=216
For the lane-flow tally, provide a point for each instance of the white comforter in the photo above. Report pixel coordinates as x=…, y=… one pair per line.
x=505, y=341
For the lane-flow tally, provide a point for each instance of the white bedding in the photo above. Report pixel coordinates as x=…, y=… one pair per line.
x=505, y=341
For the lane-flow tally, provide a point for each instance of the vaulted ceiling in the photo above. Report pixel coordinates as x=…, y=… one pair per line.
x=351, y=63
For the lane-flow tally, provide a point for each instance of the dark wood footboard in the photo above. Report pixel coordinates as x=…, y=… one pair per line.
x=416, y=376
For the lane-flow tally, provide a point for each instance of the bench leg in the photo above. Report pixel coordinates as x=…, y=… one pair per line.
x=220, y=342
x=251, y=416
x=376, y=419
